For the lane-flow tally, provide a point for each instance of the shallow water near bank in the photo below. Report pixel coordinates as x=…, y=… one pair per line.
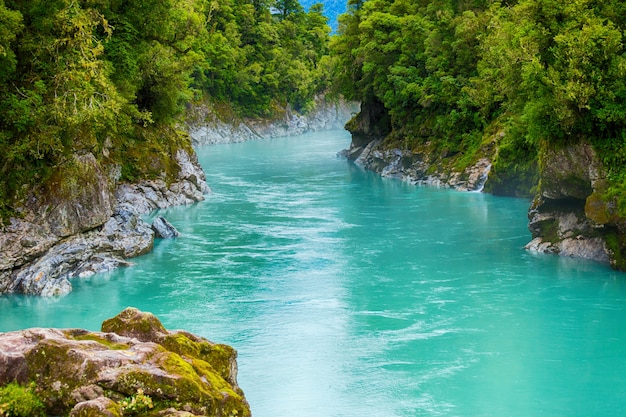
x=351, y=295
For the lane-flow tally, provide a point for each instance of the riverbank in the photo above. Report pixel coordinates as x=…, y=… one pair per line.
x=211, y=123
x=93, y=230
x=96, y=226
x=569, y=215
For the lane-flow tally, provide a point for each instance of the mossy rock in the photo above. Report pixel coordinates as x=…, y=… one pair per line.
x=134, y=323
x=220, y=357
x=98, y=374
x=99, y=407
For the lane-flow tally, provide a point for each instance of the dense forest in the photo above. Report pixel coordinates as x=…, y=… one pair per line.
x=454, y=74
x=112, y=78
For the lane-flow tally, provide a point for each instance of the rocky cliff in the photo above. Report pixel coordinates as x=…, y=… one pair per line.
x=211, y=124
x=88, y=222
x=570, y=215
x=133, y=366
x=419, y=165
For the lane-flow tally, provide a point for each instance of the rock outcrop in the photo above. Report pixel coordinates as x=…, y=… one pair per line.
x=572, y=213
x=133, y=364
x=419, y=168
x=208, y=125
x=419, y=165
x=570, y=216
x=88, y=227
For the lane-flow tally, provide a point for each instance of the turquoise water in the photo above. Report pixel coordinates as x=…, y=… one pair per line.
x=349, y=295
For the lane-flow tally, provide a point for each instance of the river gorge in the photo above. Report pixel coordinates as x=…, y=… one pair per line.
x=347, y=294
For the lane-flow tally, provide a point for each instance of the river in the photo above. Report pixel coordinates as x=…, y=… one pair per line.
x=350, y=295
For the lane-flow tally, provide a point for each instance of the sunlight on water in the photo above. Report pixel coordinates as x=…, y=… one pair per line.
x=351, y=295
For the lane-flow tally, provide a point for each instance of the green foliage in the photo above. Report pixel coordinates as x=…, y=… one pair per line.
x=553, y=71
x=19, y=401
x=253, y=59
x=137, y=404
x=113, y=77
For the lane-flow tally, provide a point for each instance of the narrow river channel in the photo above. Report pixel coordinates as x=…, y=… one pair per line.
x=351, y=295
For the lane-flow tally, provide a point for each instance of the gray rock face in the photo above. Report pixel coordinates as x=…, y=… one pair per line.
x=43, y=252
x=561, y=219
x=147, y=196
x=77, y=372
x=163, y=229
x=206, y=128
x=123, y=236
x=417, y=168
x=75, y=207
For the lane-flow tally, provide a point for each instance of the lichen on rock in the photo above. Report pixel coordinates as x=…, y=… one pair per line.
x=81, y=373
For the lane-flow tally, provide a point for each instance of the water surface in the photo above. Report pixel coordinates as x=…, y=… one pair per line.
x=350, y=295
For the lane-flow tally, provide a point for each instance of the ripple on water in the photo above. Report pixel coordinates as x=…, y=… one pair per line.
x=350, y=295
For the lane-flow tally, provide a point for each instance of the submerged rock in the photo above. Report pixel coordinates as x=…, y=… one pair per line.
x=164, y=229
x=133, y=360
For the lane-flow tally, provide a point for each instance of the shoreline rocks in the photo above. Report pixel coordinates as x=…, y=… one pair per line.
x=569, y=217
x=78, y=372
x=418, y=167
x=43, y=252
x=206, y=127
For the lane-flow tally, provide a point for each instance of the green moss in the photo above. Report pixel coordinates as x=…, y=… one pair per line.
x=96, y=338
x=617, y=249
x=133, y=323
x=55, y=375
x=181, y=344
x=549, y=230
x=19, y=401
x=218, y=356
x=596, y=209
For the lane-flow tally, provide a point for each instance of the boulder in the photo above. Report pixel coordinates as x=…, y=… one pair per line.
x=163, y=229
x=133, y=364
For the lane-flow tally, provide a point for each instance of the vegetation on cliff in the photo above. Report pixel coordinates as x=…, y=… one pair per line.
x=527, y=74
x=111, y=78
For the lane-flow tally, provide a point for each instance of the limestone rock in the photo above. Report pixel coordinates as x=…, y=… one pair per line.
x=417, y=167
x=87, y=373
x=72, y=206
x=77, y=233
x=146, y=196
x=123, y=236
x=98, y=407
x=164, y=229
x=206, y=127
x=567, y=217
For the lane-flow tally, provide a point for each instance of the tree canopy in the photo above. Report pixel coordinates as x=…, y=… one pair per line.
x=545, y=72
x=112, y=77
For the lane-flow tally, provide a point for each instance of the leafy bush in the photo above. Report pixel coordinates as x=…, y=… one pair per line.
x=19, y=401
x=136, y=404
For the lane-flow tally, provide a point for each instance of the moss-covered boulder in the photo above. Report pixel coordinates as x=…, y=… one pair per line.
x=133, y=367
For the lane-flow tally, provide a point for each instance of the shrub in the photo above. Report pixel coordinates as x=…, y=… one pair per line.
x=19, y=401
x=136, y=404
